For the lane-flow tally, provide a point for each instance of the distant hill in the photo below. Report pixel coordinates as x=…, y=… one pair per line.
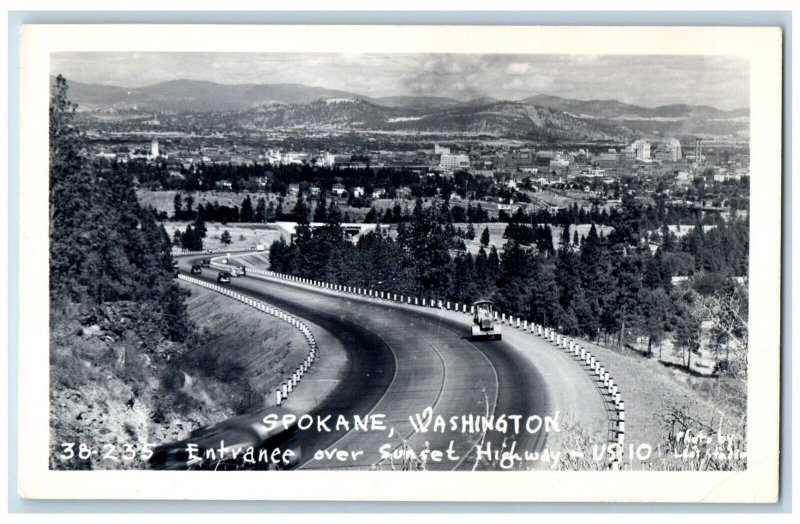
x=417, y=102
x=196, y=95
x=515, y=119
x=614, y=109
x=665, y=120
x=541, y=117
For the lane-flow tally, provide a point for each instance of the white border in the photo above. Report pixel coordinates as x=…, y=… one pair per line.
x=761, y=46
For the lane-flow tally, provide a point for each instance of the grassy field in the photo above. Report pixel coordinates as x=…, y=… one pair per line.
x=651, y=389
x=242, y=235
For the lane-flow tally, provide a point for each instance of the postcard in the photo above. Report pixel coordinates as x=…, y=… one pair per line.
x=426, y=263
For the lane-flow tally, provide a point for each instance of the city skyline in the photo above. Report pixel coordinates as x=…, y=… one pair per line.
x=721, y=82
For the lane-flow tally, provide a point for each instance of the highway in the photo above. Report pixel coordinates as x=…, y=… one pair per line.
x=400, y=360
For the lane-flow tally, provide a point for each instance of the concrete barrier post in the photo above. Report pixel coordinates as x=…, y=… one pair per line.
x=285, y=390
x=278, y=396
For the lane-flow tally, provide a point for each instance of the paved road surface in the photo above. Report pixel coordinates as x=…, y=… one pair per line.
x=401, y=360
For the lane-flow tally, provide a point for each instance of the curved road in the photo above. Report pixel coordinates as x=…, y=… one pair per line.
x=402, y=359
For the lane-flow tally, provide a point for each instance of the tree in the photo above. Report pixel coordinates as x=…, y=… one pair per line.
x=177, y=204
x=200, y=227
x=727, y=315
x=485, y=237
x=261, y=210
x=104, y=246
x=470, y=234
x=657, y=309
x=246, y=214
x=686, y=325
x=320, y=211
x=225, y=238
x=300, y=211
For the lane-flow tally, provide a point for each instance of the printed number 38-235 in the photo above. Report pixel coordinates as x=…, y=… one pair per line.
x=113, y=452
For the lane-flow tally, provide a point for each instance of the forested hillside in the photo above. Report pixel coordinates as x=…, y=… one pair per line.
x=127, y=367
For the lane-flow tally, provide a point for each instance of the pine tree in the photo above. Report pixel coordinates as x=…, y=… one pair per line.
x=246, y=214
x=470, y=234
x=261, y=210
x=225, y=238
x=177, y=204
x=485, y=237
x=320, y=211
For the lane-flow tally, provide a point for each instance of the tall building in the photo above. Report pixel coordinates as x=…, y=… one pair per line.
x=641, y=149
x=438, y=150
x=154, y=153
x=674, y=149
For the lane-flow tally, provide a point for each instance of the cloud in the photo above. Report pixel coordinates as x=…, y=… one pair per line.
x=518, y=68
x=644, y=80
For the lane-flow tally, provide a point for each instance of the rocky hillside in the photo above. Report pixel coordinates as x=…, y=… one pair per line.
x=116, y=381
x=514, y=119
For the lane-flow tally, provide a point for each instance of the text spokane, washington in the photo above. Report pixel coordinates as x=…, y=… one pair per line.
x=421, y=422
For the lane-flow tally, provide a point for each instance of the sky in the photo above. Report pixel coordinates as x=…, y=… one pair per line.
x=650, y=80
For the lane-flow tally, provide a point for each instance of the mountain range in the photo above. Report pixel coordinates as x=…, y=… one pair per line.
x=543, y=117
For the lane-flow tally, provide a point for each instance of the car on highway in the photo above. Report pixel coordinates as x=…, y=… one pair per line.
x=197, y=269
x=213, y=447
x=238, y=271
x=224, y=277
x=206, y=262
x=484, y=323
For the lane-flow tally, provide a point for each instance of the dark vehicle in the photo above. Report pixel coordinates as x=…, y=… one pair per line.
x=197, y=269
x=206, y=262
x=484, y=324
x=214, y=447
x=224, y=277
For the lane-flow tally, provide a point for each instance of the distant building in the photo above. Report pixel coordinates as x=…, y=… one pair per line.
x=682, y=177
x=452, y=162
x=674, y=149
x=640, y=150
x=438, y=150
x=154, y=152
x=558, y=161
x=338, y=190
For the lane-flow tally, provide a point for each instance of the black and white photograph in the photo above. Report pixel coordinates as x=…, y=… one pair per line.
x=360, y=260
